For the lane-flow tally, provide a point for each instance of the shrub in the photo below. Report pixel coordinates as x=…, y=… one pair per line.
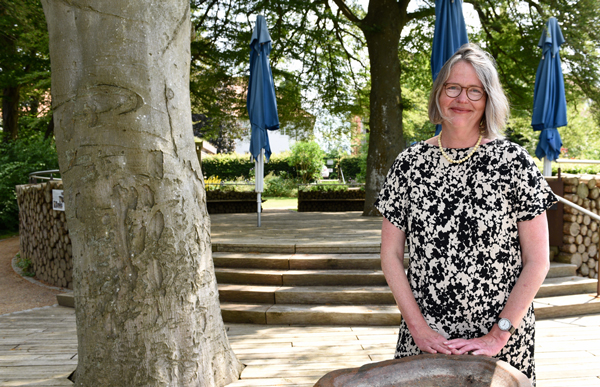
x=234, y=166
x=18, y=159
x=351, y=166
x=279, y=186
x=307, y=158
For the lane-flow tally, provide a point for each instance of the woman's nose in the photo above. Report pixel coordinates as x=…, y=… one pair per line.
x=462, y=97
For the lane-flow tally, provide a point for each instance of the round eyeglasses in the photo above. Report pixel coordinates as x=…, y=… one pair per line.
x=453, y=90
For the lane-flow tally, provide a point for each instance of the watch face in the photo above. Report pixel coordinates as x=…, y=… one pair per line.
x=504, y=324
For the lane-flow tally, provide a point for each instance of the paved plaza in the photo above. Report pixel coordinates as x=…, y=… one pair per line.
x=38, y=347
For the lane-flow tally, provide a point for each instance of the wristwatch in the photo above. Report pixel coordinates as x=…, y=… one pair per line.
x=505, y=325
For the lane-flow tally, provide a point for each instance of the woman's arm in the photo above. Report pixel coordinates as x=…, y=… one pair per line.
x=533, y=237
x=392, y=264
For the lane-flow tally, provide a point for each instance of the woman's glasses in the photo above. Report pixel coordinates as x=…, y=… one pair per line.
x=453, y=90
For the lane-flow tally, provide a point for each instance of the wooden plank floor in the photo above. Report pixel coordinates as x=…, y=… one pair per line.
x=39, y=348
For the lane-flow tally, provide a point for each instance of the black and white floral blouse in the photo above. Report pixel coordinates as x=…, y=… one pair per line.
x=461, y=226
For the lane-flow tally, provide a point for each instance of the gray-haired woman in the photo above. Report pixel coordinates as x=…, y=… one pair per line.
x=471, y=207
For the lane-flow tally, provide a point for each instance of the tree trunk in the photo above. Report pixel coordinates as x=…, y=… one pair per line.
x=146, y=297
x=382, y=27
x=10, y=112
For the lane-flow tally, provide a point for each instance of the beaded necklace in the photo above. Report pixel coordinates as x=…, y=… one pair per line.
x=459, y=161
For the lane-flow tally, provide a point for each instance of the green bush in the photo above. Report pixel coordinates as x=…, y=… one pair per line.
x=279, y=186
x=328, y=188
x=18, y=159
x=234, y=166
x=351, y=167
x=307, y=158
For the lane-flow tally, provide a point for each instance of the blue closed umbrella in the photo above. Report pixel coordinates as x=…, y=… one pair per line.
x=261, y=102
x=549, y=102
x=449, y=35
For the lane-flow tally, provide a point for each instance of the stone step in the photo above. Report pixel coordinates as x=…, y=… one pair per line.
x=324, y=295
x=374, y=277
x=272, y=261
x=311, y=314
x=561, y=286
x=341, y=246
x=299, y=261
x=300, y=277
x=566, y=306
x=364, y=295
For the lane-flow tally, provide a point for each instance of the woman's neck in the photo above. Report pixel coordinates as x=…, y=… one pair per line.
x=459, y=138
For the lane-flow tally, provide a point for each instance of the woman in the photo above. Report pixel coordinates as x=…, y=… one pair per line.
x=471, y=206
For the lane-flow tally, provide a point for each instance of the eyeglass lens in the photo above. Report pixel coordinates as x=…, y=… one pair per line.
x=453, y=90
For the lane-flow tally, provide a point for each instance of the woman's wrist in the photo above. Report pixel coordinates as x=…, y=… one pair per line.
x=500, y=335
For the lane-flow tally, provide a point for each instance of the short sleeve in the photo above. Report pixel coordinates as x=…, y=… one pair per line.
x=393, y=197
x=533, y=195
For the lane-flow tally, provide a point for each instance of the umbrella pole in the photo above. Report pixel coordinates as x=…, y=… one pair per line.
x=258, y=177
x=547, y=167
x=258, y=210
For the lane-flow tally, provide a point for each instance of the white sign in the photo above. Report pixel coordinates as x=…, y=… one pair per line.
x=58, y=201
x=330, y=162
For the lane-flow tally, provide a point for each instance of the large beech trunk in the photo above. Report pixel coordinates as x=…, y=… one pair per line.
x=382, y=28
x=145, y=291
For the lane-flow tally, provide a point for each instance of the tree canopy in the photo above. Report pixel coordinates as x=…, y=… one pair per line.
x=332, y=58
x=319, y=47
x=24, y=68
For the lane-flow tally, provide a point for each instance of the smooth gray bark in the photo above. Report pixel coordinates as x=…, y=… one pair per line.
x=145, y=291
x=382, y=27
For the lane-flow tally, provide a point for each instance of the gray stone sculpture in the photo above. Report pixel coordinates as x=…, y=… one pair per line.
x=429, y=371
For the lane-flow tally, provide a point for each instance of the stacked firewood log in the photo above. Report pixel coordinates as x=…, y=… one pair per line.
x=44, y=234
x=581, y=231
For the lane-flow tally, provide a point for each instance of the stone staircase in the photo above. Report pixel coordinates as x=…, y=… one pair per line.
x=346, y=287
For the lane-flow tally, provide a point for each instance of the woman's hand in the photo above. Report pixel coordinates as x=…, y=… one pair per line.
x=430, y=341
x=488, y=345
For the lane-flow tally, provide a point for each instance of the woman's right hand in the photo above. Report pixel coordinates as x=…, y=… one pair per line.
x=429, y=341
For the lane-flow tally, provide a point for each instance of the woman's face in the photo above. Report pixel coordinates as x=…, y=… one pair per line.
x=461, y=112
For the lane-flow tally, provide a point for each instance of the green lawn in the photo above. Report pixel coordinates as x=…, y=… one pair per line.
x=274, y=202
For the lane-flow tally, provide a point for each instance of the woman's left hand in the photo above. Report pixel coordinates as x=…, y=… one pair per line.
x=488, y=345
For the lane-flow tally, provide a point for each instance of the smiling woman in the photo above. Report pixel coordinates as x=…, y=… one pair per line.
x=471, y=207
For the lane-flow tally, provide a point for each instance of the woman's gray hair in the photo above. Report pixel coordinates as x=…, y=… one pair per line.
x=496, y=108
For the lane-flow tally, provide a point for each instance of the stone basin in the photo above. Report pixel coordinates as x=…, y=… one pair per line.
x=429, y=371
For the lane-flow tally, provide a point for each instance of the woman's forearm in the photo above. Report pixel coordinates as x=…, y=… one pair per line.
x=392, y=264
x=533, y=235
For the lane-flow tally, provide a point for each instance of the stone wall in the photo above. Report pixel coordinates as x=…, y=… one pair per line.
x=44, y=235
x=581, y=232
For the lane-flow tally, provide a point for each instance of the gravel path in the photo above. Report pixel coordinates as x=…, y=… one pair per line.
x=16, y=292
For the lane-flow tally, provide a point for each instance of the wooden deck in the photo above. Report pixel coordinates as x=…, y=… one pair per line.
x=39, y=348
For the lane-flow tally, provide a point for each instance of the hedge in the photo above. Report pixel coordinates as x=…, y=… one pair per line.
x=234, y=166
x=18, y=159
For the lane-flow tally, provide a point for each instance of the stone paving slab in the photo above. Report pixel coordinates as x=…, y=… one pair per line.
x=567, y=350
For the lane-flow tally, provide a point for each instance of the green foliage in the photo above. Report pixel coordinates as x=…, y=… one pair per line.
x=234, y=166
x=331, y=77
x=351, y=166
x=307, y=158
x=212, y=183
x=17, y=160
x=25, y=63
x=581, y=137
x=576, y=169
x=25, y=265
x=326, y=188
x=279, y=186
x=510, y=32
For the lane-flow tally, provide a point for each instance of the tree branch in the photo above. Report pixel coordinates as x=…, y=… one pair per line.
x=347, y=11
x=420, y=14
